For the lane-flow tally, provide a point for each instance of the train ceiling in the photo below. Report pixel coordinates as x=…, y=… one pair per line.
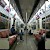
x=29, y=6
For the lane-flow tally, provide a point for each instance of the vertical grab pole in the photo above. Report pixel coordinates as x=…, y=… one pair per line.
x=26, y=30
x=45, y=23
x=8, y=19
x=45, y=19
x=45, y=15
x=8, y=14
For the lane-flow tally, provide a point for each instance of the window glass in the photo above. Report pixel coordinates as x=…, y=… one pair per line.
x=4, y=22
x=47, y=23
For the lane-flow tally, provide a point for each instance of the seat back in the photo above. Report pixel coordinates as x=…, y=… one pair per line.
x=4, y=33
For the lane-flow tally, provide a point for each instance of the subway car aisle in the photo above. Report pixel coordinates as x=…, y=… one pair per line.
x=24, y=16
x=23, y=46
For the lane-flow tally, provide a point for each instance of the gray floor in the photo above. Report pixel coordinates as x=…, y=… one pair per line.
x=26, y=45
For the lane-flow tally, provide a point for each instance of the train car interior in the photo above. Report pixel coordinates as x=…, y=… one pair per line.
x=24, y=24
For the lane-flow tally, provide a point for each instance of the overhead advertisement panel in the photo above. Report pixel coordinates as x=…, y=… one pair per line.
x=2, y=3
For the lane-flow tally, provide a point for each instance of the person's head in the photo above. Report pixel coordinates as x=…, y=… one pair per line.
x=30, y=30
x=21, y=30
x=12, y=26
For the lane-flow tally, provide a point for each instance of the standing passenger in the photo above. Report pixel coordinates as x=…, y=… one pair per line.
x=21, y=33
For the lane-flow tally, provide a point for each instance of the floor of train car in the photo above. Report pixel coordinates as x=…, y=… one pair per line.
x=21, y=45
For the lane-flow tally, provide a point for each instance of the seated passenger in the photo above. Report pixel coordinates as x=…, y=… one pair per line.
x=13, y=30
x=41, y=42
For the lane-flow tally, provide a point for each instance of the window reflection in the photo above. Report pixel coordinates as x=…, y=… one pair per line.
x=47, y=22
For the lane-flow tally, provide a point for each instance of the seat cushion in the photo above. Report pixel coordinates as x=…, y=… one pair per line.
x=3, y=34
x=12, y=39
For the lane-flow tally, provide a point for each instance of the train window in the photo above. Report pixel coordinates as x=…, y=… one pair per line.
x=38, y=24
x=22, y=25
x=43, y=18
x=34, y=27
x=2, y=25
x=4, y=15
x=3, y=22
x=47, y=23
x=43, y=24
x=47, y=16
x=48, y=34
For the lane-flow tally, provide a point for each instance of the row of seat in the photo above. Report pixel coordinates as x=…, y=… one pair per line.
x=38, y=36
x=6, y=33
